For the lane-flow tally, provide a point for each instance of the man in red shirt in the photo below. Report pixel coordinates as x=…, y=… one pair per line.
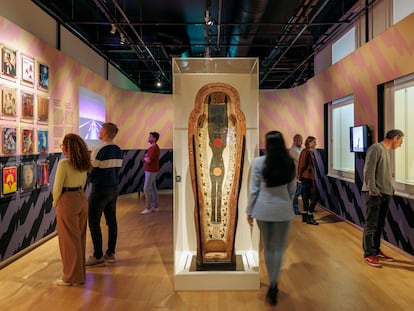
x=151, y=160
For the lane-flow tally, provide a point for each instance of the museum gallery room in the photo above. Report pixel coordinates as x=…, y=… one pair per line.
x=216, y=79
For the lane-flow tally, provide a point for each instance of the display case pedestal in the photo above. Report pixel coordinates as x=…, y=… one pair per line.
x=245, y=277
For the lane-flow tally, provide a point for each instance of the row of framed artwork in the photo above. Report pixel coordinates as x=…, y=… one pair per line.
x=28, y=70
x=27, y=139
x=25, y=108
x=25, y=177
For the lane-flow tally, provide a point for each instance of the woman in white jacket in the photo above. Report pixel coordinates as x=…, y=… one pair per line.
x=272, y=186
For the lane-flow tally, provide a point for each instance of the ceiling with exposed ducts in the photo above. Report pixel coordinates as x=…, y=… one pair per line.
x=140, y=37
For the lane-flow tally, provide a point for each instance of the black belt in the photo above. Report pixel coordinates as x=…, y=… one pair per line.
x=70, y=189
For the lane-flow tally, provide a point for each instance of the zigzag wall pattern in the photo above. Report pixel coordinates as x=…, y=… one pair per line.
x=346, y=200
x=26, y=218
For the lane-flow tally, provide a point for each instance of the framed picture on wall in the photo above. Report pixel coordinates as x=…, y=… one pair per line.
x=8, y=141
x=42, y=174
x=28, y=176
x=42, y=109
x=43, y=71
x=9, y=184
x=8, y=102
x=42, y=141
x=8, y=62
x=27, y=70
x=27, y=106
x=27, y=140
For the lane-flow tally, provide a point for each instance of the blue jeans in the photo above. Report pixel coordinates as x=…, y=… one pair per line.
x=103, y=201
x=274, y=236
x=298, y=192
x=377, y=209
x=150, y=190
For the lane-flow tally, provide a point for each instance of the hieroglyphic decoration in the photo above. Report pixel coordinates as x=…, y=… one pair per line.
x=216, y=138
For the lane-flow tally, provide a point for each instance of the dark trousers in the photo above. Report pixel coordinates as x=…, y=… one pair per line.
x=376, y=212
x=309, y=195
x=103, y=201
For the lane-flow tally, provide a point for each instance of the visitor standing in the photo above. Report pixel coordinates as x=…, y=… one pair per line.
x=71, y=205
x=306, y=175
x=151, y=160
x=106, y=162
x=294, y=152
x=378, y=189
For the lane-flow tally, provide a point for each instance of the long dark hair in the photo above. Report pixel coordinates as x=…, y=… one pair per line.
x=78, y=153
x=279, y=167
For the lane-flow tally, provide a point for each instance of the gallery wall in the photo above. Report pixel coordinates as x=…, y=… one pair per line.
x=26, y=213
x=301, y=110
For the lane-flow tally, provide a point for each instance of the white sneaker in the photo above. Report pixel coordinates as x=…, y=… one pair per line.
x=146, y=211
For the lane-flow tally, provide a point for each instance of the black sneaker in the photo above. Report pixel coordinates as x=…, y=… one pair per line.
x=311, y=221
x=271, y=296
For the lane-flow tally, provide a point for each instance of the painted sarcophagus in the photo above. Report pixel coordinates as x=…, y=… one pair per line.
x=217, y=130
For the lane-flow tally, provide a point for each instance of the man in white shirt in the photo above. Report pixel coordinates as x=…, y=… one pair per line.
x=294, y=152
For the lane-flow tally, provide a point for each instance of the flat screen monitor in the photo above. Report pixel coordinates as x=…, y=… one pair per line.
x=360, y=138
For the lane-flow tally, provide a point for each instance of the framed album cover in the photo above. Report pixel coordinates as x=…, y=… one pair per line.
x=9, y=184
x=42, y=174
x=43, y=109
x=28, y=176
x=8, y=102
x=27, y=70
x=27, y=141
x=9, y=62
x=43, y=76
x=27, y=106
x=42, y=141
x=8, y=141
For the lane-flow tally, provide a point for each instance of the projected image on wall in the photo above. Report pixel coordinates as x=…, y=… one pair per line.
x=91, y=116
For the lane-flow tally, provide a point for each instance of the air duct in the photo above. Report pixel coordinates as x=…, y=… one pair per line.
x=249, y=14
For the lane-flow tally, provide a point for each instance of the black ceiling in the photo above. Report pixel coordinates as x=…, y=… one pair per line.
x=283, y=34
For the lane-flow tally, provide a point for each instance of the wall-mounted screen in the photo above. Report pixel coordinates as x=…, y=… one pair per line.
x=92, y=114
x=360, y=138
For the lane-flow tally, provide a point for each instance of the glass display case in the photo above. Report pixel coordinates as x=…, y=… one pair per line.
x=216, y=128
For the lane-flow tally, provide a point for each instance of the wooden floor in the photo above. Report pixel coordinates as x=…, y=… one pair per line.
x=322, y=270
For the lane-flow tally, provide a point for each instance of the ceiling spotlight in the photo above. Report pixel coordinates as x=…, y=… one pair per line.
x=159, y=84
x=113, y=29
x=122, y=40
x=207, y=18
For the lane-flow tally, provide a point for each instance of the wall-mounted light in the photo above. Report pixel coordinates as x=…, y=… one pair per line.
x=113, y=29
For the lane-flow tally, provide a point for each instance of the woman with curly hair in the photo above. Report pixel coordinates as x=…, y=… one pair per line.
x=71, y=205
x=272, y=186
